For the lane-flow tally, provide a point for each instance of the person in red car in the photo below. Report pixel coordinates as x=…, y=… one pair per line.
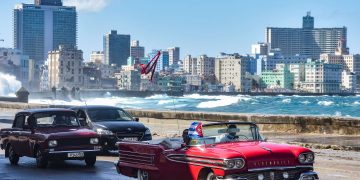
x=230, y=135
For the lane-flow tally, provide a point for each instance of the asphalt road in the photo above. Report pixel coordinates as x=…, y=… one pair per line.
x=75, y=170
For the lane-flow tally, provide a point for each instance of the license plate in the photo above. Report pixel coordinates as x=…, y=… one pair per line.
x=75, y=155
x=130, y=139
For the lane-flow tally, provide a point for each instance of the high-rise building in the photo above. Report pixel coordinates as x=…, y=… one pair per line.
x=65, y=68
x=116, y=48
x=174, y=55
x=308, y=41
x=137, y=51
x=190, y=65
x=42, y=27
x=205, y=66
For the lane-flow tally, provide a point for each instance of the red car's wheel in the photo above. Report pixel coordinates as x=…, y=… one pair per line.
x=142, y=175
x=13, y=157
x=211, y=176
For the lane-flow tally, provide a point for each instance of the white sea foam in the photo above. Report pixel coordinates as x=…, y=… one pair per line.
x=165, y=102
x=305, y=102
x=325, y=103
x=8, y=85
x=337, y=113
x=223, y=101
x=158, y=96
x=288, y=100
x=356, y=103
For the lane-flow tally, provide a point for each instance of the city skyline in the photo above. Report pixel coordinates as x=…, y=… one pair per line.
x=197, y=30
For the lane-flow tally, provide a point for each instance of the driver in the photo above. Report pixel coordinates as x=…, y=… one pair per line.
x=231, y=134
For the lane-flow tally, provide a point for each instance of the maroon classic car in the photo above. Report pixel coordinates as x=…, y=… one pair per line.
x=49, y=134
x=231, y=151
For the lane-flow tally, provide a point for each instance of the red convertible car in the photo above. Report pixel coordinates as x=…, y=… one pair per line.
x=231, y=151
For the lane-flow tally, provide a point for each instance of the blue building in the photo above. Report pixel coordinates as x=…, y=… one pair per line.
x=163, y=62
x=42, y=27
x=116, y=48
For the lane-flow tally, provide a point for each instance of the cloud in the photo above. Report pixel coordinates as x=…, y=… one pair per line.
x=87, y=5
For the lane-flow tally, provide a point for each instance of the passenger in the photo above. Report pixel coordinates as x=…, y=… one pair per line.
x=185, y=136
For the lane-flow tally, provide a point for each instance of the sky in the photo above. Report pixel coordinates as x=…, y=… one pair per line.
x=196, y=26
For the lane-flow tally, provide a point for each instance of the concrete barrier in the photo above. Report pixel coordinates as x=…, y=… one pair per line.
x=275, y=123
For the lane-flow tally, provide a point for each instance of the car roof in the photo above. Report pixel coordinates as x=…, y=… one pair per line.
x=32, y=111
x=95, y=107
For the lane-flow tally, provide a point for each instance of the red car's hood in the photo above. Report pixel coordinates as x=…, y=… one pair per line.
x=66, y=132
x=262, y=154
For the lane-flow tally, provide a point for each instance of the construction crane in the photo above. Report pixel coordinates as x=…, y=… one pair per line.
x=151, y=66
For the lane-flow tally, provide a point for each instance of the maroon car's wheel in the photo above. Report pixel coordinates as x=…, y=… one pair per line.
x=90, y=161
x=41, y=160
x=142, y=175
x=13, y=157
x=211, y=176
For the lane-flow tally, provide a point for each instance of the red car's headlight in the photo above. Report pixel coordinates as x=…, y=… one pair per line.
x=306, y=158
x=234, y=163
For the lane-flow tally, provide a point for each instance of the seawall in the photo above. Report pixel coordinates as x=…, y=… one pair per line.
x=273, y=123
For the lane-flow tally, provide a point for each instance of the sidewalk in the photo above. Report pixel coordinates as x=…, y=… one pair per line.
x=317, y=141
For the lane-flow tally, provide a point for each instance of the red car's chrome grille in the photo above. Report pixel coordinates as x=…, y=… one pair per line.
x=269, y=163
x=73, y=142
x=273, y=174
x=137, y=158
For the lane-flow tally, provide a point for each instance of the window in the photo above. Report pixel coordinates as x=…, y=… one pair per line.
x=19, y=121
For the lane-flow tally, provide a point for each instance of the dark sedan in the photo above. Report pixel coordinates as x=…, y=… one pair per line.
x=112, y=124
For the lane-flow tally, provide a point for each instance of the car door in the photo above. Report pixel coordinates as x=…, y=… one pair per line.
x=15, y=133
x=24, y=139
x=178, y=168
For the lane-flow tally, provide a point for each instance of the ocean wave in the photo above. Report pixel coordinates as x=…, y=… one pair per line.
x=325, y=103
x=158, y=96
x=176, y=106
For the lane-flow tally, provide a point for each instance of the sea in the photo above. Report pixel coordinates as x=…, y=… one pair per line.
x=341, y=106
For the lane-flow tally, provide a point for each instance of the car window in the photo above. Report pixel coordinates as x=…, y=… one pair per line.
x=19, y=121
x=56, y=119
x=108, y=115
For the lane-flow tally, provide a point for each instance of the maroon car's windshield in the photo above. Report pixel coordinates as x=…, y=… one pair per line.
x=222, y=133
x=56, y=119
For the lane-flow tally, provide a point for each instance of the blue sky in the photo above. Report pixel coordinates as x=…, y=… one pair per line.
x=196, y=26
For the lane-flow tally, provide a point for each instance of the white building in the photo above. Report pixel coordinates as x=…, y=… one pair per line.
x=65, y=68
x=13, y=61
x=259, y=49
x=128, y=80
x=321, y=77
x=348, y=82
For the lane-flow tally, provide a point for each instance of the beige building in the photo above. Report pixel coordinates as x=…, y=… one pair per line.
x=348, y=82
x=350, y=63
x=190, y=65
x=205, y=66
x=97, y=57
x=231, y=70
x=298, y=70
x=65, y=68
x=128, y=80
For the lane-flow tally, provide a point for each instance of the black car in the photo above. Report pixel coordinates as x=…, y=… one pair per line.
x=112, y=124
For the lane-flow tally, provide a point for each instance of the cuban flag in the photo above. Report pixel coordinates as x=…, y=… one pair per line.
x=195, y=130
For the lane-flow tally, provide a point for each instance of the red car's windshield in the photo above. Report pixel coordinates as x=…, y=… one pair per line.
x=222, y=133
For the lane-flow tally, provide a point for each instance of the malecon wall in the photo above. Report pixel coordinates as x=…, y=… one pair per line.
x=276, y=123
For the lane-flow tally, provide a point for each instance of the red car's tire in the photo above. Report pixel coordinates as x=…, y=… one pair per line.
x=211, y=176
